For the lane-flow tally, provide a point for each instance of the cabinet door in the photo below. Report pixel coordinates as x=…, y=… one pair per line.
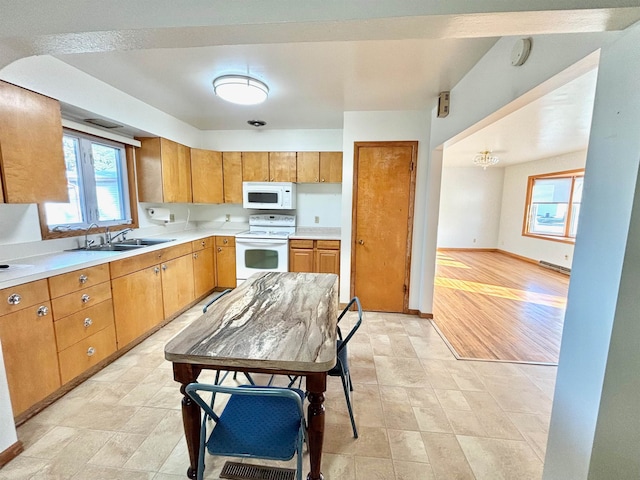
x=176, y=172
x=137, y=303
x=226, y=266
x=204, y=277
x=308, y=167
x=30, y=132
x=300, y=260
x=149, y=170
x=327, y=261
x=177, y=284
x=331, y=167
x=30, y=358
x=255, y=166
x=206, y=176
x=232, y=177
x=282, y=166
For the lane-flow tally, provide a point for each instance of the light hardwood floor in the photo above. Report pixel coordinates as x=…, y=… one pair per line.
x=492, y=306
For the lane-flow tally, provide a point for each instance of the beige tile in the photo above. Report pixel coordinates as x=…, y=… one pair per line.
x=373, y=468
x=338, y=467
x=166, y=397
x=413, y=471
x=51, y=443
x=32, y=431
x=495, y=422
x=468, y=381
x=363, y=374
x=143, y=421
x=394, y=394
x=464, y=422
x=518, y=394
x=140, y=395
x=452, y=400
x=372, y=442
x=166, y=476
x=400, y=371
x=422, y=397
x=100, y=416
x=407, y=446
x=117, y=450
x=497, y=459
x=178, y=460
x=338, y=439
x=22, y=468
x=96, y=472
x=496, y=368
x=446, y=457
x=535, y=430
x=155, y=449
x=432, y=419
x=399, y=416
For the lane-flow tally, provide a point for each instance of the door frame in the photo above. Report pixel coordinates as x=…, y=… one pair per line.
x=412, y=190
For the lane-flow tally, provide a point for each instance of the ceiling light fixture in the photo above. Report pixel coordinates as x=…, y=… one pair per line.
x=240, y=89
x=484, y=159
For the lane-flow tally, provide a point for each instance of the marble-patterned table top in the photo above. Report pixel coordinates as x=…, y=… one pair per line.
x=275, y=321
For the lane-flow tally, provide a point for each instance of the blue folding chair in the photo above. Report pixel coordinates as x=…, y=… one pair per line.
x=257, y=422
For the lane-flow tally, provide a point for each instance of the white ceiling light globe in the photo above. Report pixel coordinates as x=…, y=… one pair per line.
x=240, y=89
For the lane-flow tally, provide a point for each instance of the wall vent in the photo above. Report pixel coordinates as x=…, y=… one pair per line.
x=553, y=266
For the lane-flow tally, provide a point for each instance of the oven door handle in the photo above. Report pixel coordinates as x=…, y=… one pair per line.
x=260, y=242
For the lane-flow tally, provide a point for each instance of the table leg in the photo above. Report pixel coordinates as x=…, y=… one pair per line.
x=316, y=386
x=185, y=374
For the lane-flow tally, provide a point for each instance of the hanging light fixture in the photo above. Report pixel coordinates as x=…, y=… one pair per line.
x=484, y=159
x=240, y=89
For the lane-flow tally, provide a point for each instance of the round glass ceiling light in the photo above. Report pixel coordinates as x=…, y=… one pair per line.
x=240, y=89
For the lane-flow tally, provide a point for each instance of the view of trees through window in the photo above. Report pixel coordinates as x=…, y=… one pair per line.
x=553, y=205
x=96, y=181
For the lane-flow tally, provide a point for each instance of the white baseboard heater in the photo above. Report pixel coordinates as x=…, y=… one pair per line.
x=553, y=266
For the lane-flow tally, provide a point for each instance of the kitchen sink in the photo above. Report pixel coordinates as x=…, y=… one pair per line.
x=143, y=242
x=124, y=246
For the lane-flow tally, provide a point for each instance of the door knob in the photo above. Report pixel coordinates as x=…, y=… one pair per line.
x=361, y=242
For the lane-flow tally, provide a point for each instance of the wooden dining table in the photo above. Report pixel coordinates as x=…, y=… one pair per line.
x=274, y=323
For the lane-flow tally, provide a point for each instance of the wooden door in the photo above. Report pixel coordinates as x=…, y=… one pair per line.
x=30, y=357
x=331, y=167
x=308, y=167
x=177, y=284
x=206, y=176
x=282, y=166
x=255, y=166
x=383, y=197
x=232, y=177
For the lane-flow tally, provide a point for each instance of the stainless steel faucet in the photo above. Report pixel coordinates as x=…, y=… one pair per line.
x=110, y=238
x=87, y=242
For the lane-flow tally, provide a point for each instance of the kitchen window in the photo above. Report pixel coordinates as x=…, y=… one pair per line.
x=553, y=205
x=97, y=183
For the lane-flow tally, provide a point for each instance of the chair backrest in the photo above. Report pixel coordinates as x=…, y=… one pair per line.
x=204, y=309
x=343, y=341
x=254, y=390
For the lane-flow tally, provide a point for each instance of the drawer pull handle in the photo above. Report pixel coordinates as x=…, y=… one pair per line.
x=203, y=243
x=14, y=299
x=156, y=270
x=85, y=298
x=83, y=279
x=42, y=311
x=91, y=351
x=164, y=267
x=195, y=255
x=225, y=241
x=219, y=249
x=88, y=322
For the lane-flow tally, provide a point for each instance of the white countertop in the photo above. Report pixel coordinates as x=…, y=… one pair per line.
x=29, y=269
x=316, y=233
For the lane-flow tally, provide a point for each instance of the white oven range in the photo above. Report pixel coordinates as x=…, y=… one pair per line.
x=265, y=246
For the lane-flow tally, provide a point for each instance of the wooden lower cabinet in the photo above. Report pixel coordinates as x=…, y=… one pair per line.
x=86, y=353
x=314, y=256
x=177, y=284
x=137, y=303
x=204, y=274
x=226, y=262
x=30, y=357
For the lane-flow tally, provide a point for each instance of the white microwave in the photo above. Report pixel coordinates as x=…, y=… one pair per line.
x=269, y=195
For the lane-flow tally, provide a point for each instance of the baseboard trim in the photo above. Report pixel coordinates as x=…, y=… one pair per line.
x=419, y=313
x=519, y=257
x=468, y=250
x=10, y=453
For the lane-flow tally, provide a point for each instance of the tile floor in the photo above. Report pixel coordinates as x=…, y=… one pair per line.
x=421, y=414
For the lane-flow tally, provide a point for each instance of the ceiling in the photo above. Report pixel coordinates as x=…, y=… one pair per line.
x=554, y=124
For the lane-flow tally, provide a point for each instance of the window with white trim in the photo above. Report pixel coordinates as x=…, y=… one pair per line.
x=97, y=182
x=553, y=205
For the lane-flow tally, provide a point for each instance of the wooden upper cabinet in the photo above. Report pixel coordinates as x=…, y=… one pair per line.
x=232, y=177
x=31, y=157
x=331, y=167
x=308, y=167
x=255, y=166
x=282, y=166
x=164, y=171
x=206, y=176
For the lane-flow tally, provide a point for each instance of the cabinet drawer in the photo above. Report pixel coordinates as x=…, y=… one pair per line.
x=301, y=243
x=226, y=241
x=82, y=300
x=176, y=251
x=328, y=244
x=22, y=296
x=78, y=280
x=134, y=264
x=80, y=325
x=202, y=244
x=86, y=353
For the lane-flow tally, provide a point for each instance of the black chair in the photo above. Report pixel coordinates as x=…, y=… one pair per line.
x=218, y=380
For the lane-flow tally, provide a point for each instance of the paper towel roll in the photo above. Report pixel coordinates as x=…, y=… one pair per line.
x=161, y=214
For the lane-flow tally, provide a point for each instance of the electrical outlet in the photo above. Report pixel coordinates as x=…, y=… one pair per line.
x=317, y=219
x=227, y=218
x=474, y=240
x=172, y=217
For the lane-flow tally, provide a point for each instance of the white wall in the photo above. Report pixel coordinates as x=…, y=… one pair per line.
x=513, y=206
x=470, y=203
x=7, y=427
x=385, y=126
